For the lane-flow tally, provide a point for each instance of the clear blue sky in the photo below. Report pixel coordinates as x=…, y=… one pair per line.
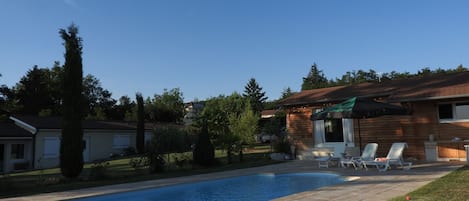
x=208, y=48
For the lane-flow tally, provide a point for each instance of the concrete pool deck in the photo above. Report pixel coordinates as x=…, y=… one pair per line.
x=369, y=185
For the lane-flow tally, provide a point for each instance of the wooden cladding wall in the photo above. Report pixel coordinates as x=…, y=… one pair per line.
x=414, y=129
x=451, y=150
x=299, y=124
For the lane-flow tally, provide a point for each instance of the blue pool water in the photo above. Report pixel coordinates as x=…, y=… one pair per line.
x=252, y=187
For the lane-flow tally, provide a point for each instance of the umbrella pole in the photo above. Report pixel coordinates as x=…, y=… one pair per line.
x=359, y=137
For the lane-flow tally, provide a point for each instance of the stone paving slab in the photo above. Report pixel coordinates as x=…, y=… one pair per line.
x=366, y=185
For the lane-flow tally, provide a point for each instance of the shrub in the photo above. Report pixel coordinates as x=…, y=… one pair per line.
x=139, y=162
x=167, y=140
x=98, y=170
x=171, y=140
x=5, y=183
x=181, y=160
x=282, y=146
x=204, y=152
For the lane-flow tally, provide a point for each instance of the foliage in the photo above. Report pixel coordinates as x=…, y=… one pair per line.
x=139, y=162
x=140, y=137
x=6, y=95
x=230, y=121
x=39, y=92
x=216, y=114
x=171, y=139
x=282, y=146
x=98, y=170
x=123, y=110
x=99, y=101
x=71, y=146
x=355, y=77
x=181, y=159
x=275, y=125
x=315, y=79
x=253, y=92
x=168, y=107
x=204, y=151
x=155, y=161
x=35, y=92
x=243, y=128
x=287, y=92
x=6, y=183
x=244, y=125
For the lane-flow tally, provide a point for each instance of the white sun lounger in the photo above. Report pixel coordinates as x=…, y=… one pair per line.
x=368, y=154
x=323, y=155
x=394, y=157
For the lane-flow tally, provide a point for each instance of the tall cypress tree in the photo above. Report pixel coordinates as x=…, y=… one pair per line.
x=71, y=145
x=140, y=124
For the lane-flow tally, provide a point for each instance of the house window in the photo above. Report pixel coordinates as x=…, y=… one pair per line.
x=17, y=151
x=445, y=111
x=121, y=141
x=453, y=111
x=333, y=130
x=51, y=147
x=462, y=110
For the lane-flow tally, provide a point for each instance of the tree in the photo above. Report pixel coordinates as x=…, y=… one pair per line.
x=286, y=93
x=6, y=95
x=355, y=77
x=216, y=117
x=460, y=68
x=168, y=107
x=243, y=127
x=140, y=125
x=124, y=109
x=216, y=112
x=33, y=92
x=99, y=101
x=71, y=146
x=256, y=96
x=315, y=79
x=204, y=151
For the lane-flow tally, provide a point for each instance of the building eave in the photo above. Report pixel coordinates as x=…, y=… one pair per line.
x=24, y=125
x=417, y=99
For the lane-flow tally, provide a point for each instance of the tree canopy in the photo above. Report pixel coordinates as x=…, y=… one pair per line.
x=166, y=107
x=253, y=92
x=315, y=79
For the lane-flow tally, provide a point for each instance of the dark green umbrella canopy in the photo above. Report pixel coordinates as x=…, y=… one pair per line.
x=359, y=108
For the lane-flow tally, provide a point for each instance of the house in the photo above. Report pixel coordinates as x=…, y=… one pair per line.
x=192, y=110
x=437, y=129
x=34, y=142
x=15, y=144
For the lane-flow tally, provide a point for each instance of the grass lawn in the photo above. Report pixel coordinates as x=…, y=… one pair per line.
x=118, y=171
x=452, y=187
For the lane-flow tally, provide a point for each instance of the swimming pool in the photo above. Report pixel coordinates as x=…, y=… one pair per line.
x=251, y=187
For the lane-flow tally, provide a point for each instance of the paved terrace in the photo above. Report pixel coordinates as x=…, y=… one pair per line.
x=368, y=185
